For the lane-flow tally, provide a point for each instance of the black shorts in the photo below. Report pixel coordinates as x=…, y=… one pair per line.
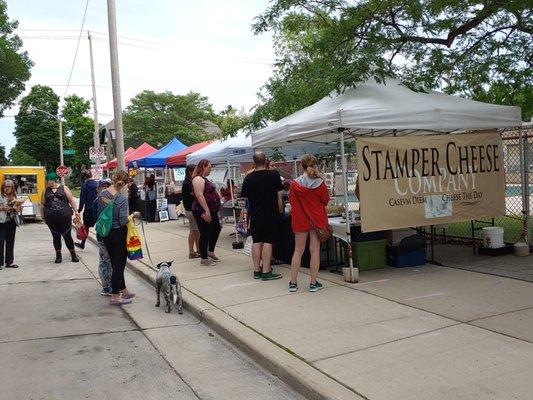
x=264, y=233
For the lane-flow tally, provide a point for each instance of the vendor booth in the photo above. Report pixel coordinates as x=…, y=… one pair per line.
x=156, y=200
x=111, y=164
x=142, y=151
x=378, y=112
x=179, y=159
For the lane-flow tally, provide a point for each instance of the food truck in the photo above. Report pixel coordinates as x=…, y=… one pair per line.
x=29, y=185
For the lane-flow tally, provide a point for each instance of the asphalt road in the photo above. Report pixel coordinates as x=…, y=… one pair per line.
x=59, y=339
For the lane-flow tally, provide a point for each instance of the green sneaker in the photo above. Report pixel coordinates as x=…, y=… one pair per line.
x=270, y=276
x=258, y=274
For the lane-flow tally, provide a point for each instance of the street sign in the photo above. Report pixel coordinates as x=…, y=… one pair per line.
x=69, y=152
x=63, y=171
x=96, y=153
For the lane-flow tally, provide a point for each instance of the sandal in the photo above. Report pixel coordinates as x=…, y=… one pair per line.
x=128, y=295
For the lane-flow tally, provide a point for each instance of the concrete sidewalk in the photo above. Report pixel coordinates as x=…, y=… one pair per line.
x=413, y=333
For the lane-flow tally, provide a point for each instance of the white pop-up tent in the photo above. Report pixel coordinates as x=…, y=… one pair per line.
x=379, y=110
x=233, y=149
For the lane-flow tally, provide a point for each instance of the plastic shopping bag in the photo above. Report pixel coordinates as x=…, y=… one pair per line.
x=133, y=242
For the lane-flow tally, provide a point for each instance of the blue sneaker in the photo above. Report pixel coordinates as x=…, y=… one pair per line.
x=293, y=287
x=315, y=287
x=106, y=292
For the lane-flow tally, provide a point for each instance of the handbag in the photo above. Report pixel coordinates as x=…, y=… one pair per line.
x=19, y=221
x=82, y=232
x=323, y=234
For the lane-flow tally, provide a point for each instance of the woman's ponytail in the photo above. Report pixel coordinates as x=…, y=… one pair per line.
x=309, y=165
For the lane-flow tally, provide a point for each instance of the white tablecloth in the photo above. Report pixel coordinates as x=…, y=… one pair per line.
x=339, y=228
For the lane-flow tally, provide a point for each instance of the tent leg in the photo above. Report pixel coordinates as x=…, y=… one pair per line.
x=237, y=244
x=353, y=275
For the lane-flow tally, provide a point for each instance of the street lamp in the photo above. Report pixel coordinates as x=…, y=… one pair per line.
x=30, y=110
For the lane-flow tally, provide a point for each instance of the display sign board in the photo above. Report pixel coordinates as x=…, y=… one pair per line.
x=69, y=152
x=96, y=172
x=96, y=153
x=428, y=180
x=62, y=171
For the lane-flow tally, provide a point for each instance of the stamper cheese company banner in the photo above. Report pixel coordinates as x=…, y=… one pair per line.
x=429, y=180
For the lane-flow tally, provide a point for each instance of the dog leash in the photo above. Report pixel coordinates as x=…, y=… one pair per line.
x=146, y=245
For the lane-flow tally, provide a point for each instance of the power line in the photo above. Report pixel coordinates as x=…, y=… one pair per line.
x=77, y=47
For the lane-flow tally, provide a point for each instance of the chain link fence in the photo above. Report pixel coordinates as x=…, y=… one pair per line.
x=518, y=160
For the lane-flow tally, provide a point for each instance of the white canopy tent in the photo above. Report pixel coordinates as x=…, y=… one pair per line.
x=233, y=149
x=379, y=110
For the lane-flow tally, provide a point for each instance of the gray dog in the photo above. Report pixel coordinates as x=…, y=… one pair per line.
x=166, y=281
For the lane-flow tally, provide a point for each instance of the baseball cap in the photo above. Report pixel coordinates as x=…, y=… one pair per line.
x=103, y=182
x=51, y=176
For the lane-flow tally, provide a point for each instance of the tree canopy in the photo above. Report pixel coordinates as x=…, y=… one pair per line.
x=38, y=133
x=479, y=49
x=158, y=117
x=79, y=129
x=15, y=64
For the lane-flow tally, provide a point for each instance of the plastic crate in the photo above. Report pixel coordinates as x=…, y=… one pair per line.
x=369, y=255
x=399, y=259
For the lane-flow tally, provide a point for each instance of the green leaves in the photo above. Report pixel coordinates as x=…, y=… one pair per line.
x=15, y=64
x=158, y=117
x=458, y=46
x=38, y=133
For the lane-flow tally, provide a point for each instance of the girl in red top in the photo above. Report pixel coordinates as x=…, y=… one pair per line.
x=308, y=197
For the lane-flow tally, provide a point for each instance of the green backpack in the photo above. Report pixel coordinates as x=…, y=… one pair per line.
x=104, y=223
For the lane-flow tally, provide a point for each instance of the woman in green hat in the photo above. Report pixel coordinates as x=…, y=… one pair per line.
x=59, y=205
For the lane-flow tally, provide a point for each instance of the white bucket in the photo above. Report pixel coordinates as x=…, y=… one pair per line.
x=493, y=237
x=521, y=249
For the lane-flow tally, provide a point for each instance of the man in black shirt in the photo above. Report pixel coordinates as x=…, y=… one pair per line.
x=261, y=187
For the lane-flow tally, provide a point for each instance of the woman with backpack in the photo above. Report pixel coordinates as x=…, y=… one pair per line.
x=59, y=205
x=87, y=197
x=113, y=208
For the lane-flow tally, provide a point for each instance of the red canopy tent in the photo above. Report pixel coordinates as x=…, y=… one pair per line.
x=114, y=160
x=142, y=151
x=179, y=159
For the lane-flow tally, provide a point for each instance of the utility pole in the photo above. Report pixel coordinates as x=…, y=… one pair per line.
x=115, y=82
x=96, y=133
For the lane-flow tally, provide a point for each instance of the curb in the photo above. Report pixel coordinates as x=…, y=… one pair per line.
x=295, y=372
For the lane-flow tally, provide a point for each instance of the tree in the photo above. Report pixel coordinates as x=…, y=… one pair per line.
x=478, y=49
x=80, y=130
x=15, y=64
x=38, y=133
x=230, y=120
x=19, y=157
x=3, y=158
x=158, y=117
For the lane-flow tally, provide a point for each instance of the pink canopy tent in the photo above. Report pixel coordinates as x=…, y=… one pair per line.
x=179, y=159
x=142, y=151
x=113, y=162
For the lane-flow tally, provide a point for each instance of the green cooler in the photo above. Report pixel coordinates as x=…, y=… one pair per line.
x=370, y=254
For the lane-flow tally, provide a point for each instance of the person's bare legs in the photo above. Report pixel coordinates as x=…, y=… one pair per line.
x=314, y=249
x=257, y=249
x=266, y=255
x=300, y=239
x=197, y=240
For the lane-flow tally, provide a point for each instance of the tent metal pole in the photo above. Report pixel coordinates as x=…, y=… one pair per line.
x=230, y=177
x=354, y=272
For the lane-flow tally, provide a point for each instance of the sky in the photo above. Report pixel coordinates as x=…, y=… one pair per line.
x=206, y=46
